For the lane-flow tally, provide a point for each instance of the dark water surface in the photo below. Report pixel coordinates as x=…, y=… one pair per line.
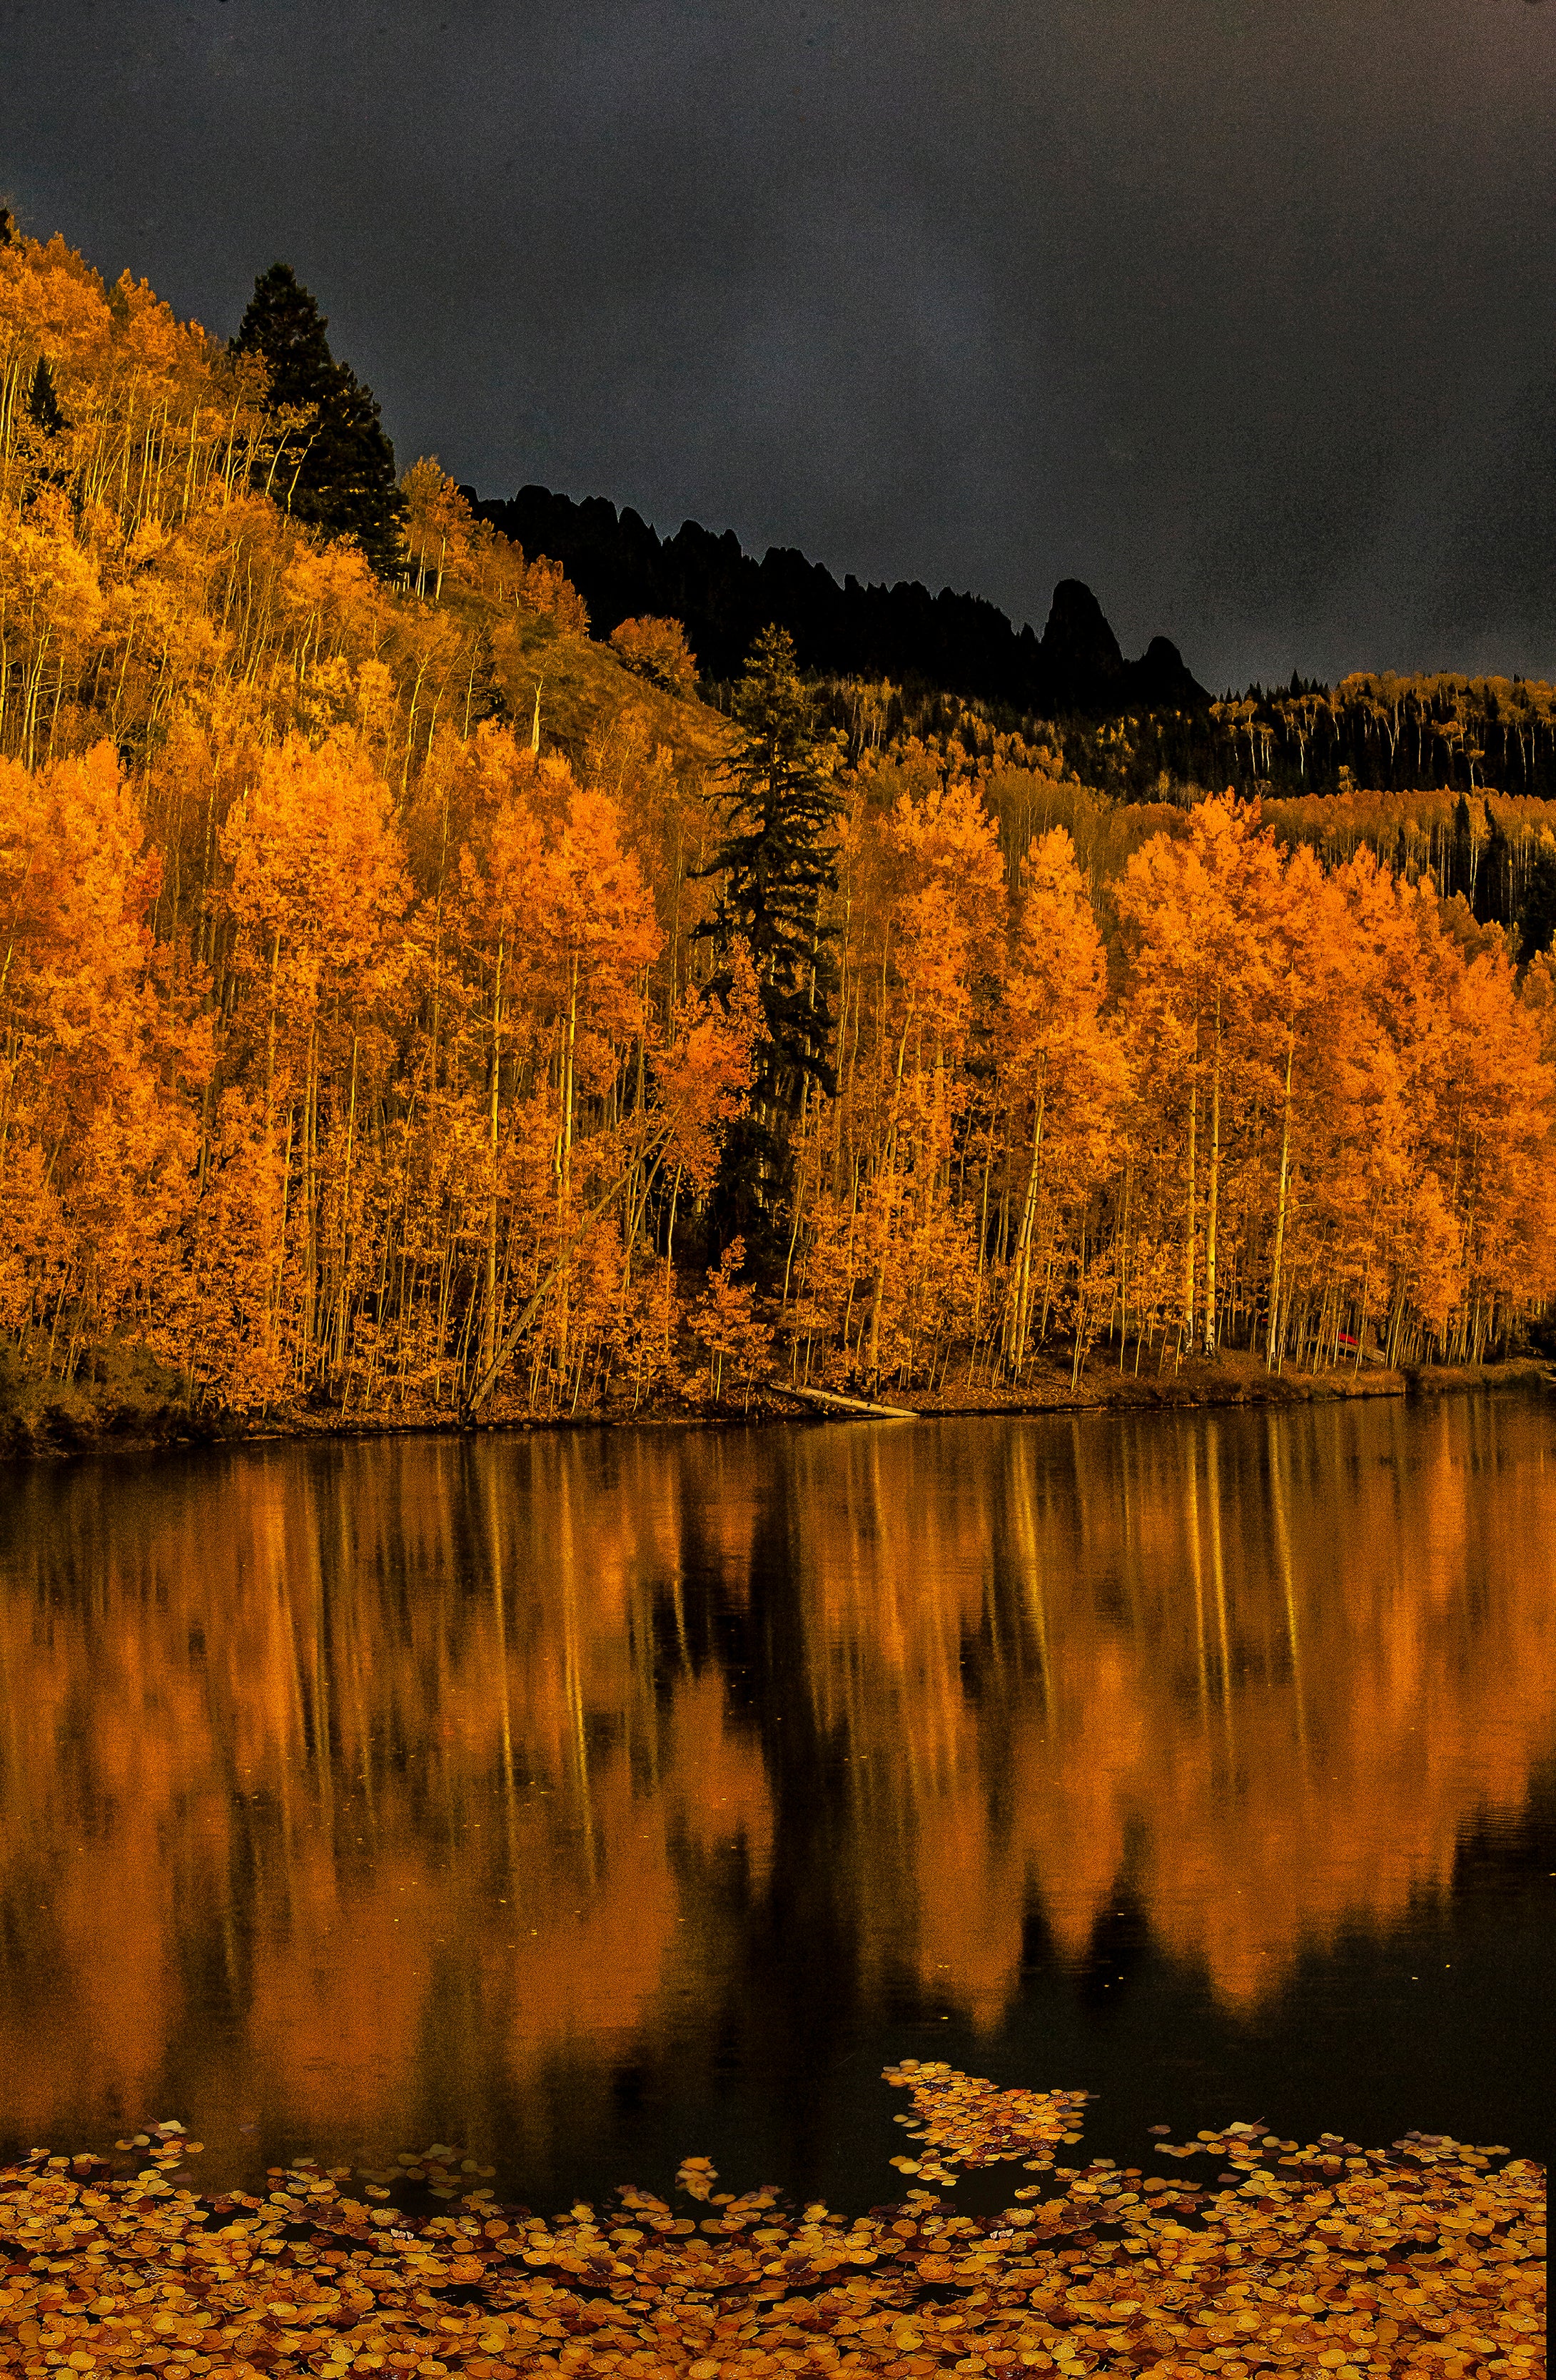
x=590, y=1799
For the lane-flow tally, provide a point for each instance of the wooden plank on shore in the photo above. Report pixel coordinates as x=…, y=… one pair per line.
x=829, y=1401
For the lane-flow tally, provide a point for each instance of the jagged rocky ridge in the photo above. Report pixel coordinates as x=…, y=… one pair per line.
x=622, y=569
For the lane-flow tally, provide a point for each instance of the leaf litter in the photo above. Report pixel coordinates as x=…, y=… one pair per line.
x=1318, y=2258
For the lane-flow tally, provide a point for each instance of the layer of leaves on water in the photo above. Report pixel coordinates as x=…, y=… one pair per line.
x=1318, y=2258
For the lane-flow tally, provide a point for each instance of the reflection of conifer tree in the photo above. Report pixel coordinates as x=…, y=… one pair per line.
x=344, y=464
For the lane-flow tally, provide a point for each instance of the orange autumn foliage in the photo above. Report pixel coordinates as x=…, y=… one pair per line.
x=356, y=1029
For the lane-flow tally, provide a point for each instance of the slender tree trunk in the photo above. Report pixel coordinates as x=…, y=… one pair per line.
x=670, y=1263
x=270, y=1044
x=888, y=1176
x=1190, y=1218
x=799, y=1197
x=1272, y=1343
x=565, y=1164
x=1023, y=1284
x=489, y=1315
x=345, y=1213
x=1212, y=1195
x=311, y=1203
x=1123, y=1271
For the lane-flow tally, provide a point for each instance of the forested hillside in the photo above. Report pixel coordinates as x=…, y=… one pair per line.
x=411, y=1005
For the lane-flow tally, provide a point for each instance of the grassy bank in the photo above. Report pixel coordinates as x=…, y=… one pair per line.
x=118, y=1394
x=122, y=1396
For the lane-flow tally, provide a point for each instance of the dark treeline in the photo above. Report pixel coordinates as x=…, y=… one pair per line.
x=1138, y=730
x=1390, y=731
x=724, y=598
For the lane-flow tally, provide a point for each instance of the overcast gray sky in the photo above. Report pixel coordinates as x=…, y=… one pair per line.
x=1241, y=311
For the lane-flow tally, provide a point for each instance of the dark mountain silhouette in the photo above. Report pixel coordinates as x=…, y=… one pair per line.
x=623, y=569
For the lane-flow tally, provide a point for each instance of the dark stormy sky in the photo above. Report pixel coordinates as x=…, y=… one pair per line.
x=1242, y=311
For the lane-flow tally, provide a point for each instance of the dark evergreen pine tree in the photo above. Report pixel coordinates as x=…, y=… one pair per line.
x=42, y=404
x=1536, y=910
x=339, y=472
x=777, y=866
x=1495, y=900
x=1462, y=867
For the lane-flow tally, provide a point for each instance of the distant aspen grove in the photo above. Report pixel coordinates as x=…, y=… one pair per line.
x=413, y=1005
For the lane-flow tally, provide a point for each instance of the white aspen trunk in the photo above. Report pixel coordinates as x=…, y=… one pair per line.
x=670, y=1263
x=1124, y=1270
x=1212, y=1195
x=281, y=1249
x=887, y=1174
x=1272, y=1342
x=270, y=1049
x=799, y=1193
x=983, y=1230
x=564, y=1163
x=310, y=1199
x=346, y=1209
x=1025, y=1235
x=489, y=1316
x=1190, y=1212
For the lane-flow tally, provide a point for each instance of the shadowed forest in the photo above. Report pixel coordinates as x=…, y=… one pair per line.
x=414, y=1005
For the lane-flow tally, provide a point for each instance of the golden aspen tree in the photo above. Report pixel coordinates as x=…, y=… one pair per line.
x=1061, y=1071
x=943, y=934
x=1199, y=919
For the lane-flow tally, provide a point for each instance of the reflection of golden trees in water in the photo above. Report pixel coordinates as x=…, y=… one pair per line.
x=1259, y=1672
x=419, y=1760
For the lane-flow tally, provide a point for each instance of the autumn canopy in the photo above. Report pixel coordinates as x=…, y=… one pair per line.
x=409, y=1004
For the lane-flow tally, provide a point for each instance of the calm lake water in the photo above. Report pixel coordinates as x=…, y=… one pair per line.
x=590, y=1799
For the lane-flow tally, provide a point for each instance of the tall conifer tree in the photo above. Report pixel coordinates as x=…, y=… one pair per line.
x=344, y=480
x=776, y=861
x=42, y=404
x=777, y=865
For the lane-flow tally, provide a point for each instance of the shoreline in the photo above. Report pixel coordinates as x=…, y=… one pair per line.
x=53, y=1423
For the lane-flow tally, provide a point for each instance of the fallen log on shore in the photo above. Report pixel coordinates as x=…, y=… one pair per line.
x=827, y=1401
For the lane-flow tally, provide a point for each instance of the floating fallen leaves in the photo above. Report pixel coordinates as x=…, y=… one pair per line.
x=1323, y=2259
x=969, y=2121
